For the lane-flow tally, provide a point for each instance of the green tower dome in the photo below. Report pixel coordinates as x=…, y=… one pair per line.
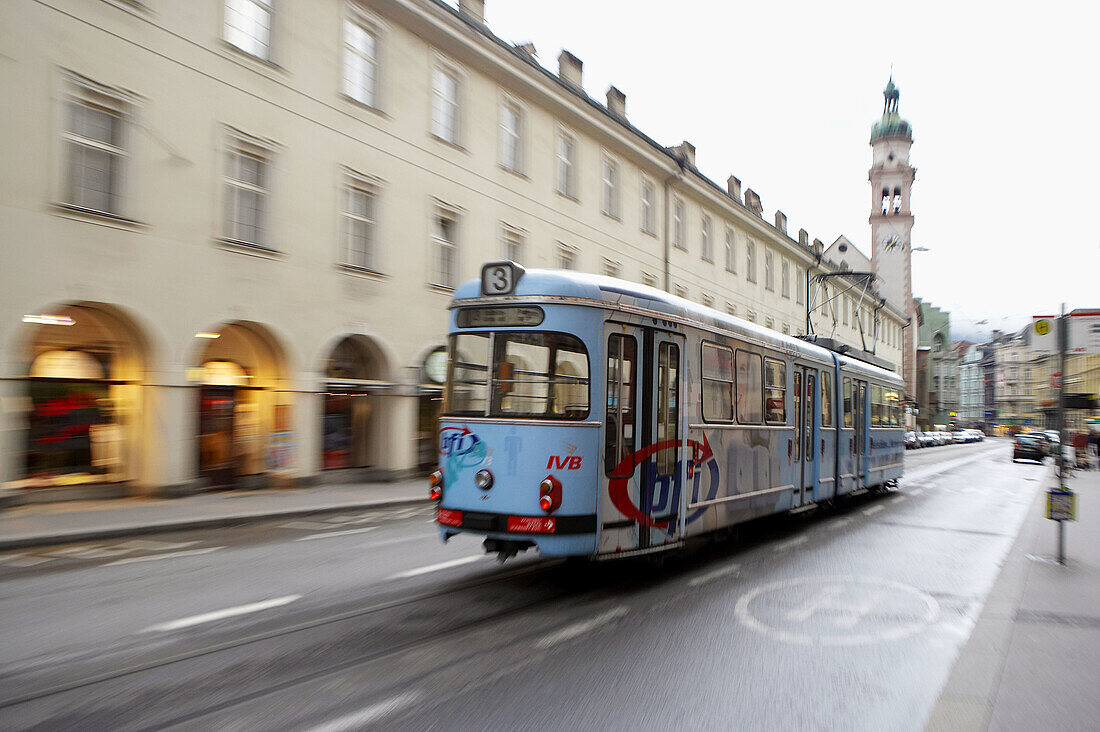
x=891, y=124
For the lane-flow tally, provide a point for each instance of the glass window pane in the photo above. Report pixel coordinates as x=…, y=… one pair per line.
x=749, y=389
x=468, y=372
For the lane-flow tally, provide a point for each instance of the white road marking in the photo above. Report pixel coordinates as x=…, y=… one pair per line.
x=360, y=719
x=436, y=567
x=873, y=510
x=713, y=575
x=898, y=498
x=572, y=631
x=840, y=522
x=327, y=534
x=399, y=540
x=23, y=560
x=305, y=525
x=789, y=543
x=228, y=612
x=169, y=555
x=916, y=491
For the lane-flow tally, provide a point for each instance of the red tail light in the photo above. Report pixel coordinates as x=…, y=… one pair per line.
x=435, y=480
x=447, y=517
x=550, y=494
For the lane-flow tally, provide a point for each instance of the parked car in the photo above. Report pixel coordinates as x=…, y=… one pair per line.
x=978, y=435
x=1029, y=446
x=1054, y=440
x=927, y=439
x=959, y=437
x=912, y=442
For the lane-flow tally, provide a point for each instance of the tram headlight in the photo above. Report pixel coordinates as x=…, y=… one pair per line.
x=435, y=481
x=484, y=479
x=550, y=494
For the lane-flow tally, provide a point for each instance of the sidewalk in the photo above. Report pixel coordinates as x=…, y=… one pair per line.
x=1033, y=658
x=56, y=523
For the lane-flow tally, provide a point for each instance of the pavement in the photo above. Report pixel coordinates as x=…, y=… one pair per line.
x=72, y=521
x=1033, y=657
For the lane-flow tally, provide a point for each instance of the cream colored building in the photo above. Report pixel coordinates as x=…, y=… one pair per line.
x=230, y=230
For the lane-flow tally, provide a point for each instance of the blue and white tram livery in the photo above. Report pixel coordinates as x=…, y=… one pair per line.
x=588, y=416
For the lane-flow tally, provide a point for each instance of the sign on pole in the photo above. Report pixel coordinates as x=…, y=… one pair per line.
x=1084, y=333
x=1061, y=505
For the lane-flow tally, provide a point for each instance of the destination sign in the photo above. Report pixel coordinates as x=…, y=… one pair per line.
x=499, y=317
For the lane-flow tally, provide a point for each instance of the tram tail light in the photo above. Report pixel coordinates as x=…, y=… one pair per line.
x=447, y=517
x=550, y=494
x=435, y=481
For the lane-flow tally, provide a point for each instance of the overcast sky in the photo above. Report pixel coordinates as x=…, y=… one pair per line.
x=1002, y=98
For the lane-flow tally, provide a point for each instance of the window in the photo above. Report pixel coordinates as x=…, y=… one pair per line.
x=731, y=251
x=731, y=309
x=847, y=303
x=445, y=90
x=565, y=151
x=567, y=257
x=668, y=406
x=248, y=26
x=610, y=177
x=847, y=402
x=246, y=191
x=797, y=405
x=749, y=394
x=95, y=133
x=769, y=323
x=361, y=61
x=717, y=383
x=708, y=301
x=786, y=329
x=511, y=136
x=360, y=197
x=649, y=280
x=512, y=244
x=534, y=375
x=680, y=291
x=799, y=284
x=750, y=316
x=785, y=279
x=648, y=218
x=678, y=224
x=775, y=391
x=622, y=370
x=704, y=238
x=769, y=275
x=877, y=406
x=611, y=268
x=444, y=248
x=826, y=399
x=750, y=260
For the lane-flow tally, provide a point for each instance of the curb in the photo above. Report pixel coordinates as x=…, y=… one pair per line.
x=114, y=532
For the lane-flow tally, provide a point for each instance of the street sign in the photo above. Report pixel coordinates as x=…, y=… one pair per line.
x=1061, y=505
x=1084, y=333
x=1056, y=380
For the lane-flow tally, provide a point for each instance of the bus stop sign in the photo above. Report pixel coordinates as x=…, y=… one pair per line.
x=1061, y=505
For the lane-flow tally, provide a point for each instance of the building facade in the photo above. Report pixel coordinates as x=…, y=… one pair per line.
x=971, y=388
x=232, y=228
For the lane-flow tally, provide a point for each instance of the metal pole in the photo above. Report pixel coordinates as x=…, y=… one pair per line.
x=1062, y=426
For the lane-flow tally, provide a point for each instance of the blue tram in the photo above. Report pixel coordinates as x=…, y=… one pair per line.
x=588, y=416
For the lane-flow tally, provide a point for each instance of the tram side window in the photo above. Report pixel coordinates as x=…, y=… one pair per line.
x=622, y=369
x=892, y=407
x=468, y=377
x=668, y=406
x=826, y=399
x=876, y=406
x=775, y=391
x=749, y=392
x=717, y=383
x=847, y=402
x=539, y=374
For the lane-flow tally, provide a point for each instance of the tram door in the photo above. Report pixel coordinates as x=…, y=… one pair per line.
x=663, y=493
x=859, y=395
x=802, y=449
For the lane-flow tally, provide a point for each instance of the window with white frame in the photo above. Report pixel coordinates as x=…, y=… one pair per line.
x=769, y=275
x=360, y=206
x=610, y=176
x=246, y=192
x=513, y=241
x=708, y=300
x=649, y=280
x=731, y=309
x=769, y=323
x=786, y=329
x=649, y=192
x=750, y=260
x=445, y=103
x=847, y=305
x=680, y=291
x=704, y=239
x=567, y=257
x=95, y=137
x=444, y=246
x=361, y=60
x=511, y=136
x=750, y=316
x=731, y=250
x=611, y=268
x=565, y=151
x=248, y=26
x=785, y=278
x=678, y=224
x=799, y=284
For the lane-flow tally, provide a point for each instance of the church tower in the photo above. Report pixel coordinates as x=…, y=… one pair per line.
x=891, y=221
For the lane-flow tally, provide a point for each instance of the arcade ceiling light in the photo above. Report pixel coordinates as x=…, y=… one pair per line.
x=49, y=319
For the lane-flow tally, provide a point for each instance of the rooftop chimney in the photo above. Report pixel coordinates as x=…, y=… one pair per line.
x=804, y=238
x=570, y=68
x=733, y=186
x=753, y=202
x=616, y=102
x=473, y=8
x=528, y=48
x=781, y=221
x=819, y=248
x=686, y=151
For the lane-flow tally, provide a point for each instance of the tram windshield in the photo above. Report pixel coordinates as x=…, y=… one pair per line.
x=531, y=374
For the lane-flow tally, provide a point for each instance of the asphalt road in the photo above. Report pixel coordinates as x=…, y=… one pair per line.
x=850, y=618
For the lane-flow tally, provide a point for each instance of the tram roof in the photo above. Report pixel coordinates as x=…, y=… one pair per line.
x=583, y=285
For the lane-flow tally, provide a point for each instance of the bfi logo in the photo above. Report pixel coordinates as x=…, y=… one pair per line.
x=564, y=462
